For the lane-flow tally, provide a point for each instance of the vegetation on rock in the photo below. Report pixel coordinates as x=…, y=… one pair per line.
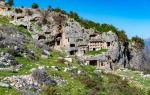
x=72, y=78
x=97, y=26
x=35, y=6
x=93, y=53
x=139, y=42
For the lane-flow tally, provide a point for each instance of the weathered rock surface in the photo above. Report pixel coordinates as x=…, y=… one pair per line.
x=138, y=60
x=51, y=30
x=7, y=60
x=10, y=37
x=33, y=81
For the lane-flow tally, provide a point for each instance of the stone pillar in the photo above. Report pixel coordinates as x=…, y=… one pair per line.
x=98, y=64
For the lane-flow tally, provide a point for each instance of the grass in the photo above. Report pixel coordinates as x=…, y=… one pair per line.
x=87, y=84
x=27, y=65
x=38, y=28
x=135, y=78
x=4, y=49
x=5, y=21
x=23, y=30
x=115, y=85
x=93, y=53
x=8, y=91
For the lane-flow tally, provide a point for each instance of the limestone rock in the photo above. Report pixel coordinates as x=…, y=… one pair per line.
x=4, y=85
x=68, y=59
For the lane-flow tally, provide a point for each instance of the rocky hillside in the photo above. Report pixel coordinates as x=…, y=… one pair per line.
x=64, y=32
x=48, y=52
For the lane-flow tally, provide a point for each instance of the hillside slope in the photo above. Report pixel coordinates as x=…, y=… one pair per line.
x=32, y=64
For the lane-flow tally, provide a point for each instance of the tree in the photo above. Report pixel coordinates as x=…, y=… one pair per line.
x=74, y=15
x=35, y=6
x=122, y=36
x=10, y=2
x=49, y=8
x=59, y=10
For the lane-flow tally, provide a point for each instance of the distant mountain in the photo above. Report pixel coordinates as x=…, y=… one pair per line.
x=147, y=42
x=148, y=39
x=147, y=49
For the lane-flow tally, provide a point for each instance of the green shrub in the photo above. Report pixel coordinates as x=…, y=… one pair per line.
x=88, y=82
x=4, y=20
x=35, y=6
x=95, y=52
x=139, y=42
x=59, y=10
x=23, y=30
x=50, y=90
x=117, y=86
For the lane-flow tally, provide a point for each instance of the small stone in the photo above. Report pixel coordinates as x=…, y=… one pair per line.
x=68, y=59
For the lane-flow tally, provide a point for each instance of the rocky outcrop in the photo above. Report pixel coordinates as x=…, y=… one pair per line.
x=10, y=37
x=137, y=59
x=53, y=30
x=7, y=60
x=33, y=81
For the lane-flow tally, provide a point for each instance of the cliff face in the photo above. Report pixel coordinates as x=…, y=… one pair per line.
x=137, y=59
x=52, y=30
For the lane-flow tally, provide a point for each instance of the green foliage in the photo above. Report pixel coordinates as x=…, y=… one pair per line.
x=23, y=30
x=93, y=53
x=74, y=15
x=97, y=26
x=122, y=36
x=8, y=91
x=87, y=84
x=59, y=10
x=35, y=6
x=76, y=84
x=116, y=86
x=139, y=42
x=4, y=20
x=27, y=65
x=50, y=90
x=136, y=78
x=10, y=2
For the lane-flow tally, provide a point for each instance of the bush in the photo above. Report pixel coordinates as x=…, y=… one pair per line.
x=139, y=42
x=59, y=10
x=35, y=6
x=74, y=15
x=117, y=86
x=10, y=2
x=15, y=53
x=50, y=90
x=122, y=36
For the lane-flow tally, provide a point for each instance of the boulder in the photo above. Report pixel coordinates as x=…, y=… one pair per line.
x=68, y=59
x=42, y=77
x=2, y=84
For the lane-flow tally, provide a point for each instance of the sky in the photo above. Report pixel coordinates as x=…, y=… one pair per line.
x=133, y=16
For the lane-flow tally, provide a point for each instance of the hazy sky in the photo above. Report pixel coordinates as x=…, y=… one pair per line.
x=133, y=16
